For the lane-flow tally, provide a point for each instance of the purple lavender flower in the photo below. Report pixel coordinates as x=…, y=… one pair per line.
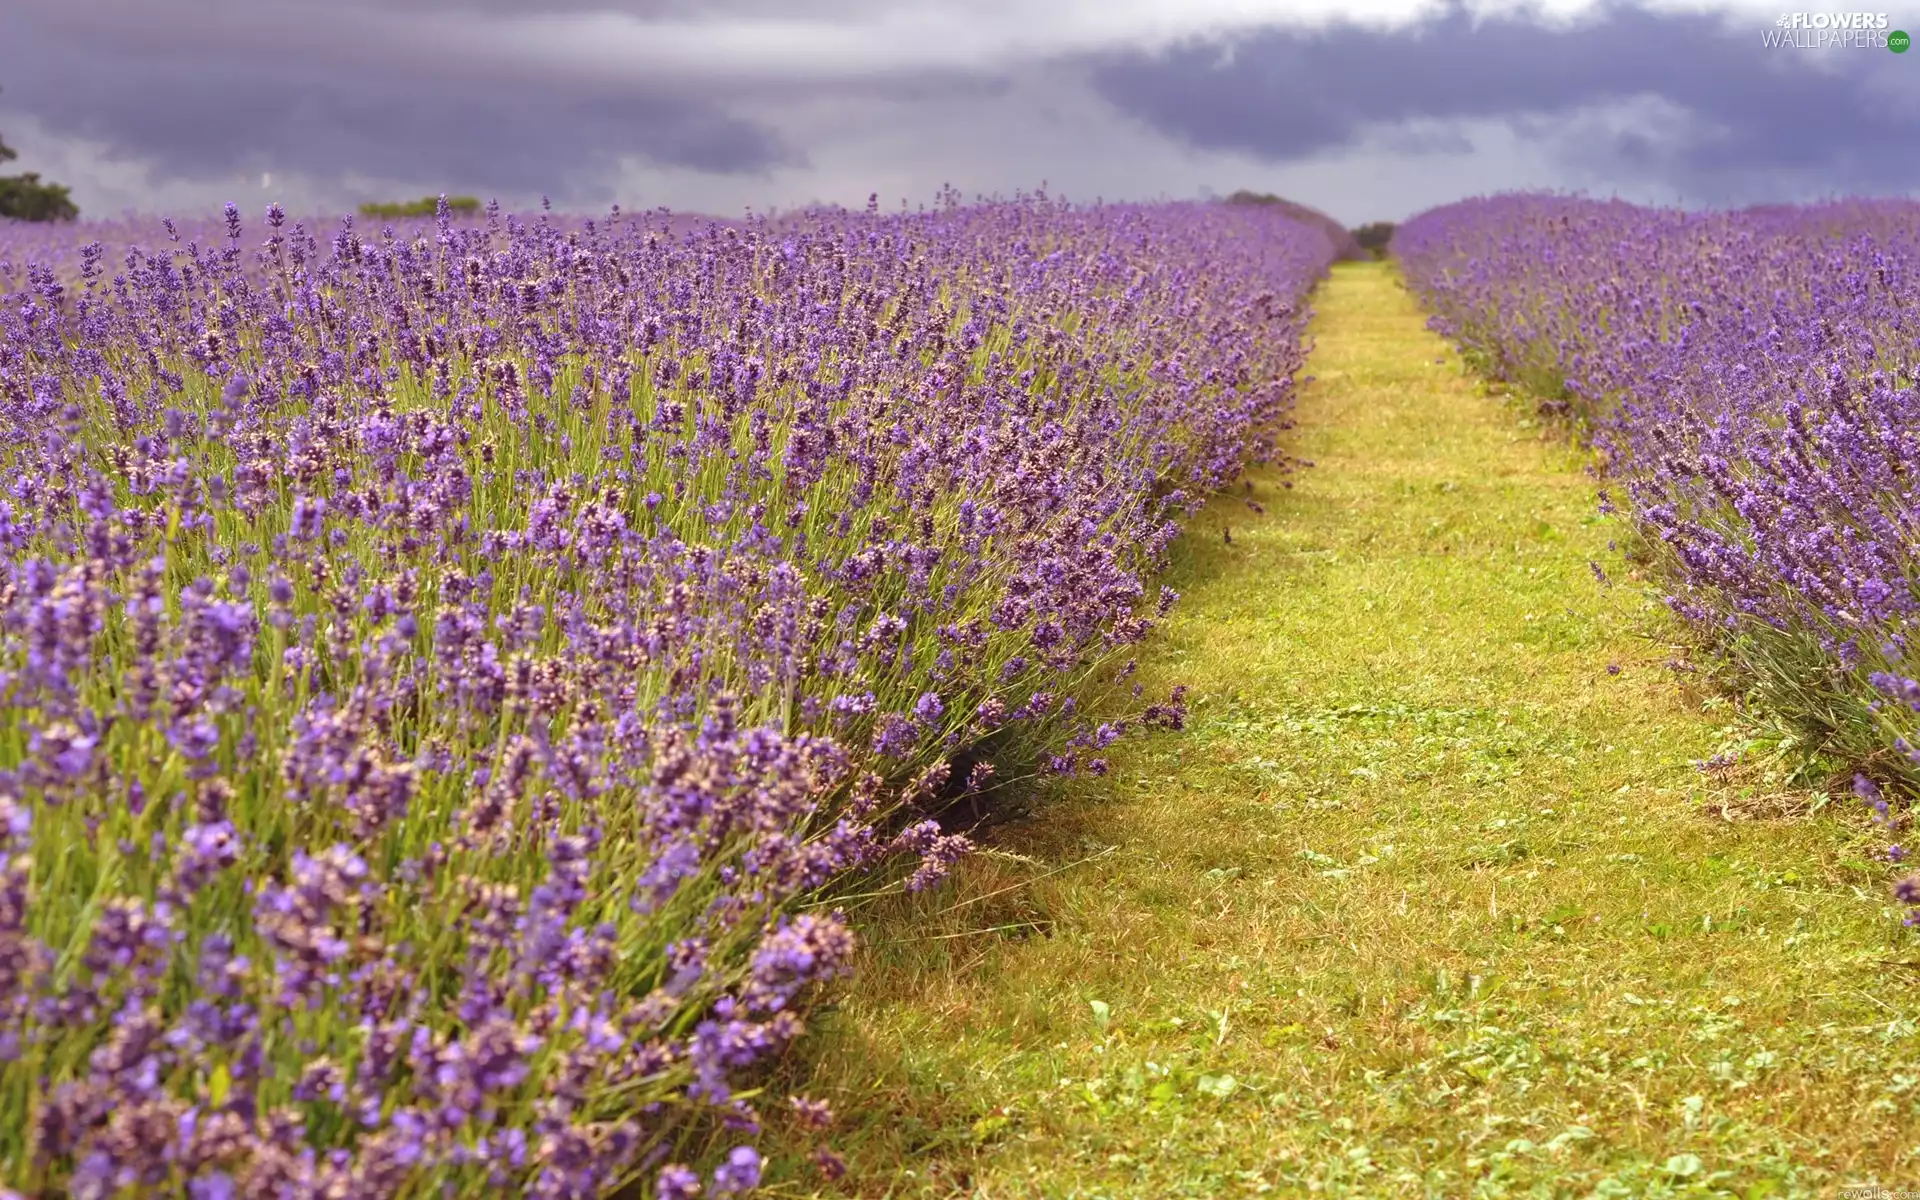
x=740, y=1173
x=796, y=954
x=677, y=1183
x=894, y=736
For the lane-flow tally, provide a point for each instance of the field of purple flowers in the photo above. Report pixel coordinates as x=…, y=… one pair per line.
x=1749, y=379
x=452, y=673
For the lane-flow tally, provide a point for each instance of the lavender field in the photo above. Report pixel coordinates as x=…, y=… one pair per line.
x=964, y=600
x=545, y=705
x=1751, y=380
x=456, y=675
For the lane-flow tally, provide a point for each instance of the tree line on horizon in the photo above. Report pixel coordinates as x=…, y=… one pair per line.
x=26, y=197
x=425, y=206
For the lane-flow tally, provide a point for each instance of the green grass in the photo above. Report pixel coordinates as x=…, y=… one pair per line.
x=425, y=206
x=1423, y=902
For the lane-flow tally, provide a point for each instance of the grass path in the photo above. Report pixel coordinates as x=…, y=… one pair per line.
x=1425, y=901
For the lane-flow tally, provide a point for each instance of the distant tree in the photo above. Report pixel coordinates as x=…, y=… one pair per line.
x=425, y=206
x=1374, y=236
x=25, y=198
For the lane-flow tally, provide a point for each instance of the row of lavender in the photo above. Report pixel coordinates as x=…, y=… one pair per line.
x=1749, y=379
x=446, y=674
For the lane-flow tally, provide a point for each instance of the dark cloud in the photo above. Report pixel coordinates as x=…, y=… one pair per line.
x=724, y=104
x=1735, y=108
x=1425, y=139
x=204, y=90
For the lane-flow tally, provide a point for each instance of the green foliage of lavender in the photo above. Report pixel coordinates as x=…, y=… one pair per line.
x=450, y=673
x=1749, y=380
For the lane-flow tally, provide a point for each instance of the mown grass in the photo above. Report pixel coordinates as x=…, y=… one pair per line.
x=1425, y=901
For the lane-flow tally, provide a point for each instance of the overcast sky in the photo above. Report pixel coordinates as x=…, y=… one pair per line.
x=1369, y=109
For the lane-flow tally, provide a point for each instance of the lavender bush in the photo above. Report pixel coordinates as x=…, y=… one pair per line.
x=1749, y=380
x=449, y=670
